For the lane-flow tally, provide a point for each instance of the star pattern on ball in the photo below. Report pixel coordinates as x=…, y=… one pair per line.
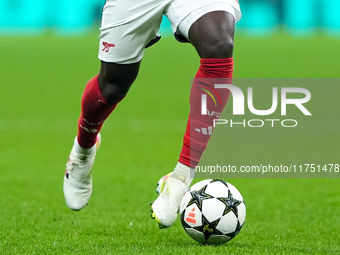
x=198, y=196
x=230, y=204
x=208, y=228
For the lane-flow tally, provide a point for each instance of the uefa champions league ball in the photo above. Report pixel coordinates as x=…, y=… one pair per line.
x=212, y=211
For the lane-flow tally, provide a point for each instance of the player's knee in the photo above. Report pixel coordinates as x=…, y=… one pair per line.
x=221, y=48
x=115, y=80
x=114, y=91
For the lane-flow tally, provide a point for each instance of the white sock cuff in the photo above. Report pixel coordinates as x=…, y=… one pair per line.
x=186, y=171
x=82, y=151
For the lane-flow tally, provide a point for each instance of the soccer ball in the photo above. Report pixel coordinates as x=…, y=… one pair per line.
x=212, y=211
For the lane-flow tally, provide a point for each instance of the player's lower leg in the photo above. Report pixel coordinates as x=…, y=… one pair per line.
x=199, y=129
x=78, y=177
x=101, y=96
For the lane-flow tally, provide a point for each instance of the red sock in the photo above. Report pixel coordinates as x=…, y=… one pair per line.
x=200, y=127
x=94, y=111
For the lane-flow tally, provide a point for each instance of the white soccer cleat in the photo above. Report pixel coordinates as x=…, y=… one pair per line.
x=165, y=208
x=78, y=177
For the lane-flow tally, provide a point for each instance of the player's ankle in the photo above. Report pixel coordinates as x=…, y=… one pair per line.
x=83, y=151
x=183, y=173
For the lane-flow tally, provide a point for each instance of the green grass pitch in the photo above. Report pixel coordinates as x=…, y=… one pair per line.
x=42, y=79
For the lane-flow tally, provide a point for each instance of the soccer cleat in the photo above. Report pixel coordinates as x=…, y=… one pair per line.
x=78, y=177
x=165, y=208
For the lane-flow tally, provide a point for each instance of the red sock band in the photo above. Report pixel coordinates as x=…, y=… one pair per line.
x=94, y=111
x=216, y=68
x=200, y=127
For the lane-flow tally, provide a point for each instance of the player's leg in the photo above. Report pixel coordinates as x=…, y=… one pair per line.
x=212, y=35
x=101, y=95
x=122, y=42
